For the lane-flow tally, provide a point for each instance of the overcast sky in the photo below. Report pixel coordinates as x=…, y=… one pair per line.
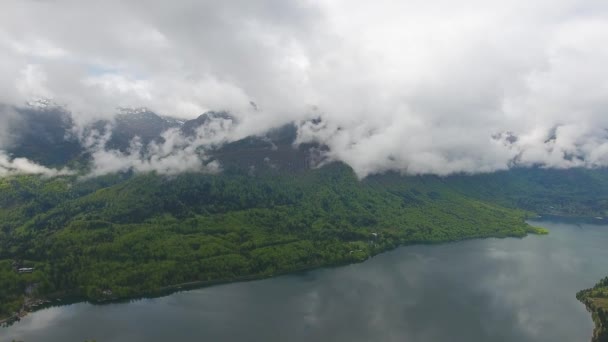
x=416, y=86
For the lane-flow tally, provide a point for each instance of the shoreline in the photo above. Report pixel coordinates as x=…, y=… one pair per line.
x=66, y=299
x=598, y=326
x=596, y=303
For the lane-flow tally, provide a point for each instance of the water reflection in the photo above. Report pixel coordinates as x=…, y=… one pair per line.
x=482, y=290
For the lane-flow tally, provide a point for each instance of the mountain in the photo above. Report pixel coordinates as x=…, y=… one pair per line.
x=42, y=132
x=141, y=123
x=275, y=151
x=190, y=127
x=46, y=136
x=275, y=208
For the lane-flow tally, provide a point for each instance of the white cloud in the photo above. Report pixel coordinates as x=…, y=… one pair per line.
x=15, y=166
x=416, y=86
x=176, y=153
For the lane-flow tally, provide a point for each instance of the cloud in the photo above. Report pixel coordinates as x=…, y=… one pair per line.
x=175, y=153
x=415, y=86
x=15, y=166
x=9, y=120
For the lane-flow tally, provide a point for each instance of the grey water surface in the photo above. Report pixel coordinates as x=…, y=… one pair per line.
x=477, y=290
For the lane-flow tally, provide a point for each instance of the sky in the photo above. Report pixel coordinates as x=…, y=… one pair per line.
x=434, y=86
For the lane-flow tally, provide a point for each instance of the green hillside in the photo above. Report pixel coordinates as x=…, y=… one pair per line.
x=121, y=236
x=564, y=192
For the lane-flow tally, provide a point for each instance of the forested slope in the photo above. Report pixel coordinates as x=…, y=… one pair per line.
x=564, y=192
x=129, y=235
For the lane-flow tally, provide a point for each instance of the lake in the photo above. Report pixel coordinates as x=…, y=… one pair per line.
x=477, y=290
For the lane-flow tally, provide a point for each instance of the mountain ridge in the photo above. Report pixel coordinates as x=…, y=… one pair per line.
x=275, y=207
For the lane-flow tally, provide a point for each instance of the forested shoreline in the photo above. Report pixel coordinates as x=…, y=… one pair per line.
x=596, y=301
x=123, y=236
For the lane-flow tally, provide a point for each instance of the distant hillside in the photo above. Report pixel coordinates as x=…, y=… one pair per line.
x=129, y=235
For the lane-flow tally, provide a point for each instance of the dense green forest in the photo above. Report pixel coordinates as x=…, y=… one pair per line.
x=563, y=192
x=596, y=300
x=128, y=235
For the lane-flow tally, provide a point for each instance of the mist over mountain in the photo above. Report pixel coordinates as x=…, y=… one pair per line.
x=45, y=135
x=416, y=87
x=152, y=146
x=141, y=140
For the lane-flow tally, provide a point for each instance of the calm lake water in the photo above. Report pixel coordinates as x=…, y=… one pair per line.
x=479, y=290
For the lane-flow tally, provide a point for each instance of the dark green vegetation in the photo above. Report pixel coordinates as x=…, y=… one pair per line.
x=121, y=236
x=569, y=192
x=596, y=300
x=127, y=235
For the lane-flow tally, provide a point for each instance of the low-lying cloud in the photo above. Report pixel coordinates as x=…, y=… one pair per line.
x=415, y=86
x=175, y=153
x=12, y=166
